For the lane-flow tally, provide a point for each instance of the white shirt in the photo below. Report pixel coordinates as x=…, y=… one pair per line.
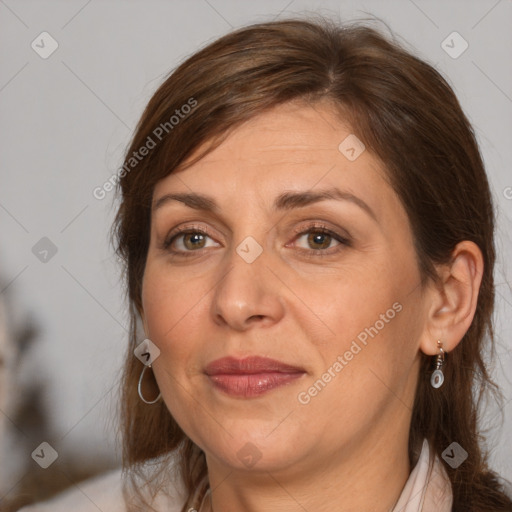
x=424, y=491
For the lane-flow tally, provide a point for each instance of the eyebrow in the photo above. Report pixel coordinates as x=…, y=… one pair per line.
x=285, y=201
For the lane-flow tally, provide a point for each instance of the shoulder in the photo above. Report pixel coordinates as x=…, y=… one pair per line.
x=104, y=492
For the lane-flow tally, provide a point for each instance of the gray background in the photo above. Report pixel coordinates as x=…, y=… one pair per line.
x=65, y=122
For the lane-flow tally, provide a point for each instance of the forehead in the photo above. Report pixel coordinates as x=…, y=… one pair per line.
x=293, y=147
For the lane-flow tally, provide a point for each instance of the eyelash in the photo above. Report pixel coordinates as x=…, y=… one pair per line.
x=315, y=227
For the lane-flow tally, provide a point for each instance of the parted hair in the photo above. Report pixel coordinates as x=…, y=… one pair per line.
x=409, y=118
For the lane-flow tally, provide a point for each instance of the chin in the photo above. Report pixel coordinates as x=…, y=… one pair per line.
x=249, y=452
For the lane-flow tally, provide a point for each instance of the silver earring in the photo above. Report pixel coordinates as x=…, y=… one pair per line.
x=139, y=388
x=437, y=378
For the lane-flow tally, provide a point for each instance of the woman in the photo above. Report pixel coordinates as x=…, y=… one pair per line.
x=307, y=231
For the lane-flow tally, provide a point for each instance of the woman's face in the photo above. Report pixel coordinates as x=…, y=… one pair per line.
x=296, y=249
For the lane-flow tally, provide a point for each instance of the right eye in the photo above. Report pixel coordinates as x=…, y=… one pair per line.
x=188, y=240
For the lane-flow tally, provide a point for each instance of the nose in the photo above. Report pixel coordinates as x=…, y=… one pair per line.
x=248, y=296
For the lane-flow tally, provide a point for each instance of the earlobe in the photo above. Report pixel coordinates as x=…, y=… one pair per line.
x=454, y=299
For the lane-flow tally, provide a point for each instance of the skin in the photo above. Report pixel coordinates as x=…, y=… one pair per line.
x=346, y=449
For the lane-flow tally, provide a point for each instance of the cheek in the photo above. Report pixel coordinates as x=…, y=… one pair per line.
x=373, y=322
x=370, y=364
x=358, y=301
x=172, y=309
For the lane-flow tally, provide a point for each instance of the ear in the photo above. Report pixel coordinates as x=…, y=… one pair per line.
x=453, y=300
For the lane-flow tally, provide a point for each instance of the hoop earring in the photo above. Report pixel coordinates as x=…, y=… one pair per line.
x=139, y=388
x=437, y=378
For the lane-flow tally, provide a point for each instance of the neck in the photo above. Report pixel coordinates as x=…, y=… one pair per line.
x=369, y=479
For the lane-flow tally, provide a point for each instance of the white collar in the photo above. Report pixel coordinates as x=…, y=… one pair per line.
x=426, y=490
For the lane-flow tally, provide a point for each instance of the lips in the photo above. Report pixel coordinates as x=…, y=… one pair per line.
x=249, y=365
x=251, y=376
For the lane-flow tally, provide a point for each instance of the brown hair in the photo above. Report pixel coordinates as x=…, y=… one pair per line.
x=407, y=116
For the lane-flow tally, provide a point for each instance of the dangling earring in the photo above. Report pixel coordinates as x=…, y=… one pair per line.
x=437, y=378
x=139, y=388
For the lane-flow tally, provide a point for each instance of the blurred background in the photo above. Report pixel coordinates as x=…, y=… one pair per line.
x=75, y=76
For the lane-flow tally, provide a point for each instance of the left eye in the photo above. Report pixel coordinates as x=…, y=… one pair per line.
x=318, y=240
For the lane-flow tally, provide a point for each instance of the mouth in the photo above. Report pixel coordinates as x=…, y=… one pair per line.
x=251, y=376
